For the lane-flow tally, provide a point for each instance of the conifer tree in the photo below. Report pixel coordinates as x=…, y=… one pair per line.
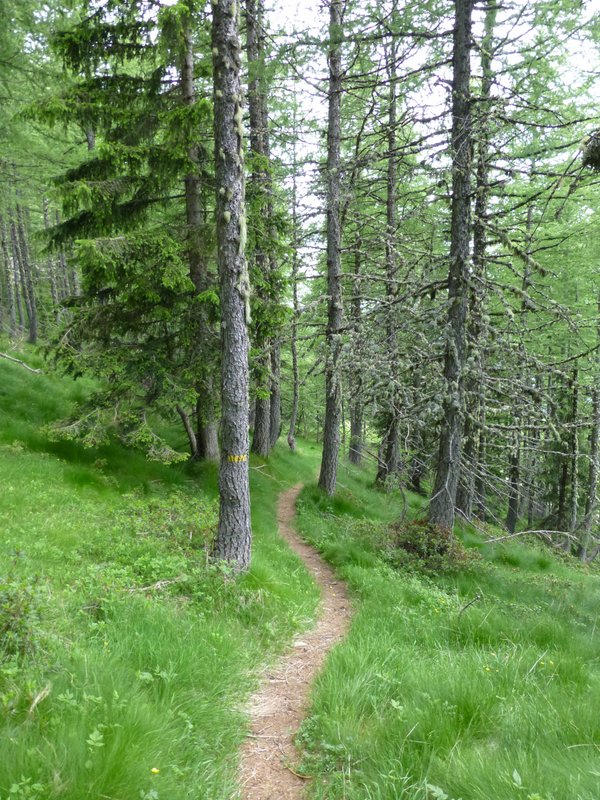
x=234, y=537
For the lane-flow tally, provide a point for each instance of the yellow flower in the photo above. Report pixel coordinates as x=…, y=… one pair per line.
x=155, y=770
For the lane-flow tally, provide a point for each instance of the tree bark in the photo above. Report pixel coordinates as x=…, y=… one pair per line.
x=574, y=452
x=189, y=430
x=390, y=463
x=356, y=388
x=8, y=281
x=591, y=502
x=19, y=278
x=441, y=506
x=291, y=437
x=207, y=443
x=234, y=536
x=21, y=251
x=275, y=398
x=267, y=419
x=331, y=427
x=512, y=514
x=470, y=465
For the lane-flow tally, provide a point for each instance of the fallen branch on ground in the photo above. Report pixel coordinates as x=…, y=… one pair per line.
x=22, y=363
x=158, y=585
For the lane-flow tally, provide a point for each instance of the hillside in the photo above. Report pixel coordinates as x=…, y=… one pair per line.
x=126, y=660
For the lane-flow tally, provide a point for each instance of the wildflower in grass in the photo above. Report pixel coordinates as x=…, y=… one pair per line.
x=155, y=770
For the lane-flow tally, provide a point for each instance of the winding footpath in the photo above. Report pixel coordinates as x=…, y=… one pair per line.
x=280, y=704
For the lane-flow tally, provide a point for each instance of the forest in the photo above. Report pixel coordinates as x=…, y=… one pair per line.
x=299, y=373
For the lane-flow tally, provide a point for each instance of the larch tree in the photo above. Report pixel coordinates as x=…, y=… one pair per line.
x=260, y=185
x=234, y=536
x=333, y=409
x=441, y=506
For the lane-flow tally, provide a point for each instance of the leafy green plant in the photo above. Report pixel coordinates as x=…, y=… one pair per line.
x=18, y=615
x=432, y=548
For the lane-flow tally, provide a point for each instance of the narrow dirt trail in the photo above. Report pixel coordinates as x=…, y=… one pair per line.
x=280, y=704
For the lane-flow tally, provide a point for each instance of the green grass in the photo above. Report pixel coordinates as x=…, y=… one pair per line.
x=498, y=700
x=108, y=690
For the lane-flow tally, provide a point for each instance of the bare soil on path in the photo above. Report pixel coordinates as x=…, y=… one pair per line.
x=280, y=704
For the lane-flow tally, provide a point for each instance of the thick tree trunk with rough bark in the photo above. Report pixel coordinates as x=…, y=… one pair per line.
x=261, y=435
x=206, y=436
x=331, y=427
x=441, y=506
x=234, y=536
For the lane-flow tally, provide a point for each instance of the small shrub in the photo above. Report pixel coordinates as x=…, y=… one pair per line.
x=17, y=618
x=432, y=548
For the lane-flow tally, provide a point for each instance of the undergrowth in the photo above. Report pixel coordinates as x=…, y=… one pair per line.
x=125, y=658
x=469, y=678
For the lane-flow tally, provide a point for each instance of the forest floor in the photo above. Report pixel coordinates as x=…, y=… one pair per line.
x=276, y=710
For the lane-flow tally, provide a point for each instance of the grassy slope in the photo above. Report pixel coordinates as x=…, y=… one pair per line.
x=495, y=702
x=107, y=691
x=499, y=701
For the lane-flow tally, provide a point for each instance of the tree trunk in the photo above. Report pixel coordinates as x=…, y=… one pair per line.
x=192, y=441
x=476, y=334
x=356, y=389
x=391, y=460
x=8, y=281
x=574, y=452
x=512, y=515
x=261, y=437
x=561, y=511
x=591, y=502
x=441, y=506
x=21, y=249
x=291, y=437
x=20, y=282
x=234, y=536
x=267, y=420
x=331, y=427
x=275, y=392
x=479, y=498
x=207, y=445
x=468, y=469
x=207, y=425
